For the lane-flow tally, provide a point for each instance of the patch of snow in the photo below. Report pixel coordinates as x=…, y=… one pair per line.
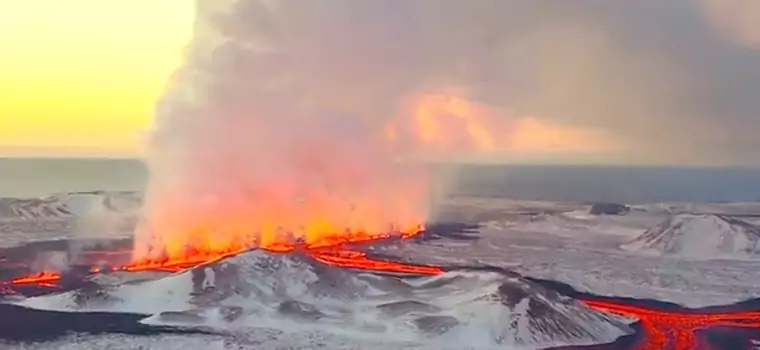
x=171, y=293
x=253, y=339
x=579, y=215
x=592, y=261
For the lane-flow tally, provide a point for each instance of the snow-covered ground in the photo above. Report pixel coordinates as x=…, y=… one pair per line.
x=559, y=241
x=549, y=240
x=69, y=215
x=700, y=236
x=255, y=339
x=297, y=295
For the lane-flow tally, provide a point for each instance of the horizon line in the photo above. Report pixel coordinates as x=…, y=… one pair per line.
x=472, y=162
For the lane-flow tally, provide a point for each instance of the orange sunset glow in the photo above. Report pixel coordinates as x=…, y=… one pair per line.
x=449, y=123
x=83, y=75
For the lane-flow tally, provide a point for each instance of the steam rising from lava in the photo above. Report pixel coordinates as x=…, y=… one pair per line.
x=305, y=121
x=738, y=20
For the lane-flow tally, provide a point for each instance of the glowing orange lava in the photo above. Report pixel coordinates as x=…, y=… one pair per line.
x=360, y=260
x=663, y=329
x=667, y=329
x=181, y=236
x=43, y=278
x=191, y=256
x=336, y=255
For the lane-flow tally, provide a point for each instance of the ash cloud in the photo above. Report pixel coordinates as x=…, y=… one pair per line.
x=736, y=19
x=673, y=81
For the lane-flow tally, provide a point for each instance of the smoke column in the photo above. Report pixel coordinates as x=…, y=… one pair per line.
x=738, y=20
x=300, y=121
x=257, y=139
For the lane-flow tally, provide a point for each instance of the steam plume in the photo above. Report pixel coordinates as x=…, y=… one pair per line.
x=277, y=133
x=329, y=101
x=737, y=19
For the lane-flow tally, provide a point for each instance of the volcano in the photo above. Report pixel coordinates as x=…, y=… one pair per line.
x=296, y=291
x=700, y=236
x=344, y=298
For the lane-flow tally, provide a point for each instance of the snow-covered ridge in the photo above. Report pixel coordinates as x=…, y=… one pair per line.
x=67, y=215
x=292, y=293
x=69, y=205
x=700, y=236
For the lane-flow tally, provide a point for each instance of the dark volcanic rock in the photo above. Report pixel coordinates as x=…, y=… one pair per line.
x=22, y=324
x=436, y=324
x=181, y=317
x=231, y=313
x=299, y=310
x=93, y=294
x=401, y=308
x=609, y=209
x=510, y=295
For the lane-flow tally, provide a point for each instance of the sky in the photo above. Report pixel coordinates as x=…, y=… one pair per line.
x=643, y=82
x=80, y=77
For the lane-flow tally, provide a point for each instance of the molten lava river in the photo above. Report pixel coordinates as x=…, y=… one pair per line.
x=661, y=328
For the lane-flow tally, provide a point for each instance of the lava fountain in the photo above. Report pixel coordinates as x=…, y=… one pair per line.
x=264, y=140
x=309, y=124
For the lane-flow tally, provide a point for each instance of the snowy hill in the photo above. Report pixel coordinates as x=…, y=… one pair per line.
x=294, y=293
x=700, y=236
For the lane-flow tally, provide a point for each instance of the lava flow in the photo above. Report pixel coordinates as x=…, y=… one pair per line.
x=41, y=278
x=360, y=260
x=662, y=329
x=327, y=248
x=330, y=251
x=675, y=330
